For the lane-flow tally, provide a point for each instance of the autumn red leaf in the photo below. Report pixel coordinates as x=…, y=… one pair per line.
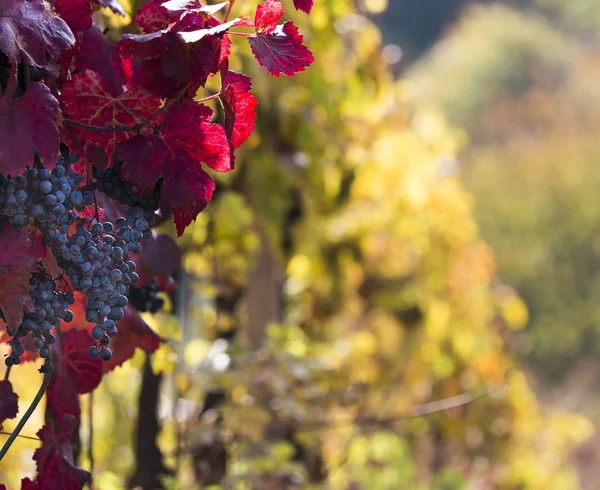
x=28, y=122
x=78, y=308
x=144, y=158
x=55, y=457
x=187, y=191
x=9, y=402
x=186, y=140
x=76, y=13
x=19, y=253
x=160, y=256
x=27, y=484
x=159, y=14
x=134, y=333
x=281, y=51
x=239, y=107
x=187, y=127
x=30, y=32
x=98, y=54
x=185, y=53
x=75, y=372
x=85, y=371
x=267, y=15
x=61, y=396
x=21, y=248
x=86, y=90
x=304, y=5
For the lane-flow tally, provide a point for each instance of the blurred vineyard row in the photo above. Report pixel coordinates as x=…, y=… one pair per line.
x=338, y=288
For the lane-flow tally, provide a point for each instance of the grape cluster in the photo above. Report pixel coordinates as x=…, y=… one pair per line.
x=95, y=258
x=146, y=298
x=97, y=263
x=48, y=197
x=50, y=308
x=110, y=183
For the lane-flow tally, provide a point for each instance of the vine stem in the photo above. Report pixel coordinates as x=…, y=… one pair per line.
x=242, y=34
x=91, y=434
x=29, y=438
x=229, y=7
x=39, y=395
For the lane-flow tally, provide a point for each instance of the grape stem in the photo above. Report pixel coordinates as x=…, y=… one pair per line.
x=39, y=395
x=7, y=374
x=229, y=7
x=29, y=438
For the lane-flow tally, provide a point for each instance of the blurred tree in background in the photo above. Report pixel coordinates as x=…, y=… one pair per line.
x=530, y=102
x=531, y=110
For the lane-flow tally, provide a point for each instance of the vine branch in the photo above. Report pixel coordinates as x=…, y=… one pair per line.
x=15, y=433
x=30, y=438
x=229, y=7
x=423, y=410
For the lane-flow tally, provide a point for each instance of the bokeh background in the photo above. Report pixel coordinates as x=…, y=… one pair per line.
x=398, y=287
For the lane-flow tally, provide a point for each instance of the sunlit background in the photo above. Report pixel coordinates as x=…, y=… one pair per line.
x=399, y=285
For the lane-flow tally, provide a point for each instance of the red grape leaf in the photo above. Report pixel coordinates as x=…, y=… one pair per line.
x=304, y=5
x=90, y=212
x=281, y=51
x=134, y=333
x=85, y=372
x=86, y=90
x=76, y=13
x=98, y=54
x=62, y=397
x=159, y=14
x=19, y=253
x=267, y=15
x=239, y=106
x=111, y=4
x=78, y=308
x=139, y=170
x=9, y=402
x=185, y=53
x=55, y=457
x=27, y=484
x=75, y=373
x=186, y=127
x=160, y=256
x=21, y=248
x=187, y=191
x=28, y=122
x=30, y=32
x=186, y=140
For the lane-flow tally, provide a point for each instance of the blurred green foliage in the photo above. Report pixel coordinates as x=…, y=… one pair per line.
x=531, y=161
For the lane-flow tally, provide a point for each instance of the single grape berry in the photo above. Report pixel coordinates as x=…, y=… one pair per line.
x=105, y=354
x=93, y=351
